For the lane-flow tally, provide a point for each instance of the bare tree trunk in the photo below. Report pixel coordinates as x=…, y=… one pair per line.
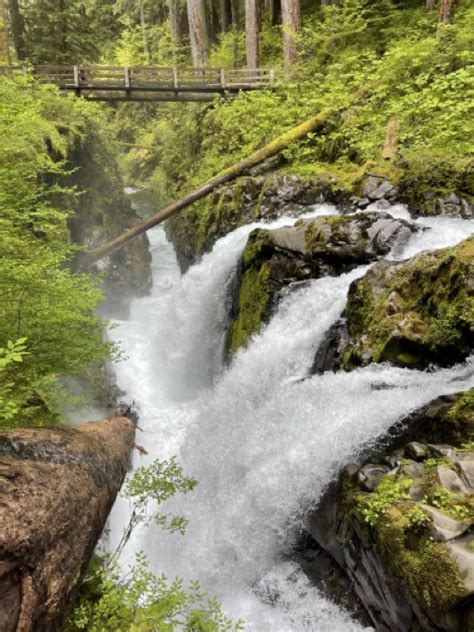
x=430, y=5
x=146, y=48
x=291, y=19
x=276, y=17
x=225, y=10
x=175, y=21
x=235, y=16
x=4, y=52
x=18, y=29
x=198, y=32
x=252, y=29
x=212, y=19
x=274, y=9
x=446, y=11
x=389, y=152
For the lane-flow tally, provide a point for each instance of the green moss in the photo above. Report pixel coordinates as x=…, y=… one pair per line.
x=464, y=407
x=360, y=305
x=457, y=506
x=424, y=567
x=399, y=528
x=254, y=299
x=423, y=311
x=374, y=507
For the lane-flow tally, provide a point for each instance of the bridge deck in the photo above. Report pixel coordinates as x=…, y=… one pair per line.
x=152, y=83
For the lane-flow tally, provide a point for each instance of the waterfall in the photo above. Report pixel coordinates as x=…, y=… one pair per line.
x=262, y=439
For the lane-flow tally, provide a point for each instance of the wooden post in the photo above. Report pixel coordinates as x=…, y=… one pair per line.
x=77, y=82
x=175, y=79
x=389, y=152
x=222, y=78
x=128, y=81
x=272, y=75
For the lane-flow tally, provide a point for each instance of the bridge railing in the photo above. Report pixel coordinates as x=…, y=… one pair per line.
x=9, y=71
x=153, y=77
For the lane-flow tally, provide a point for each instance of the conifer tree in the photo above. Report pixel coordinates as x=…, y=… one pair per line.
x=252, y=28
x=3, y=35
x=198, y=32
x=446, y=11
x=290, y=11
x=17, y=25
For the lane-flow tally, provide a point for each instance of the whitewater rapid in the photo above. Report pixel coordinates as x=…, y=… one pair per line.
x=262, y=441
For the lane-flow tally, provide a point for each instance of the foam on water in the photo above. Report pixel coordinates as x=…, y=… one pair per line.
x=262, y=442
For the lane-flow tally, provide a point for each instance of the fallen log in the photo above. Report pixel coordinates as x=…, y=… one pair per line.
x=57, y=487
x=282, y=142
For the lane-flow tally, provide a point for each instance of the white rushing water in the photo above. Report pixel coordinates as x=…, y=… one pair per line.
x=262, y=442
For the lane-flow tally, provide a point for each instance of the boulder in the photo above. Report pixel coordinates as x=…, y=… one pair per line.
x=410, y=558
x=414, y=313
x=282, y=258
x=264, y=197
x=57, y=486
x=405, y=540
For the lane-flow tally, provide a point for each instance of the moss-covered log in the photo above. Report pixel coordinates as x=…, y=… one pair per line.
x=313, y=124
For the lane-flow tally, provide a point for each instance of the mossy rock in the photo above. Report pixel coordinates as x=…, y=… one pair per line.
x=280, y=258
x=413, y=534
x=416, y=312
x=425, y=567
x=256, y=291
x=195, y=230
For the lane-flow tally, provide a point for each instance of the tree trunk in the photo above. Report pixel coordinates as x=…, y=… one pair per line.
x=235, y=16
x=389, y=152
x=446, y=11
x=290, y=11
x=18, y=29
x=274, y=9
x=252, y=30
x=198, y=32
x=175, y=21
x=235, y=13
x=225, y=10
x=313, y=124
x=4, y=53
x=58, y=487
x=146, y=48
x=430, y=5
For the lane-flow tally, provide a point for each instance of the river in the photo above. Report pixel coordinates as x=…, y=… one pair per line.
x=262, y=442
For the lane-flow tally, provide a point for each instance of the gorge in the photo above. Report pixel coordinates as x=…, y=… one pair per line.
x=262, y=436
x=258, y=415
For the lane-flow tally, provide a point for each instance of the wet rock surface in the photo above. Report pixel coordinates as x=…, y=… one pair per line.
x=269, y=196
x=279, y=260
x=413, y=313
x=400, y=525
x=250, y=199
x=57, y=487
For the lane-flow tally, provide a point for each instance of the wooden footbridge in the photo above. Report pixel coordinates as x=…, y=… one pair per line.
x=151, y=83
